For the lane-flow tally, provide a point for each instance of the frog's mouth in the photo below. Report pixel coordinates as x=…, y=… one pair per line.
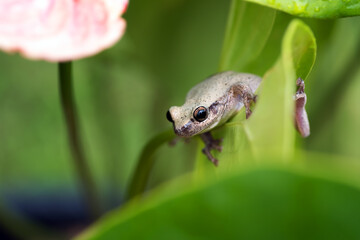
x=186, y=130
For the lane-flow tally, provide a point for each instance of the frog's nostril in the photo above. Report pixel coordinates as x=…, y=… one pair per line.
x=168, y=116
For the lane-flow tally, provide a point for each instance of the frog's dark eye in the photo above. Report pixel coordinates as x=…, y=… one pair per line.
x=200, y=114
x=168, y=116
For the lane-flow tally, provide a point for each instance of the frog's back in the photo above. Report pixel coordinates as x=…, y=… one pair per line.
x=219, y=84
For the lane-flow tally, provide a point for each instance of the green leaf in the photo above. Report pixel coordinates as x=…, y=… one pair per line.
x=270, y=53
x=271, y=129
x=298, y=50
x=236, y=145
x=270, y=202
x=249, y=26
x=314, y=8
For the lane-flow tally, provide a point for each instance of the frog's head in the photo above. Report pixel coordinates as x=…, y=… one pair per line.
x=189, y=121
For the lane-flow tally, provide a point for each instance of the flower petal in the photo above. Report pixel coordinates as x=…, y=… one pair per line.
x=60, y=30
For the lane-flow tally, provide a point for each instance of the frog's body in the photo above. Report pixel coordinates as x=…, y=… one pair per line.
x=222, y=95
x=218, y=98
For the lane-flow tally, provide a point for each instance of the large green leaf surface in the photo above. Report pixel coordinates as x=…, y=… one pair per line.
x=314, y=8
x=255, y=203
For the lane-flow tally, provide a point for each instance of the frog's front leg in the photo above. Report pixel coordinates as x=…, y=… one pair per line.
x=248, y=98
x=211, y=143
x=243, y=94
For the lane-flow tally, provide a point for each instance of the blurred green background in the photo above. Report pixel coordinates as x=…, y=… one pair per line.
x=123, y=94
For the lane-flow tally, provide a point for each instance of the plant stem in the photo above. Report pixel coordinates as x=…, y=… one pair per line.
x=145, y=164
x=82, y=169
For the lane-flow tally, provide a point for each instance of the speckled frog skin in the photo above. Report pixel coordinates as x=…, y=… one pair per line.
x=213, y=101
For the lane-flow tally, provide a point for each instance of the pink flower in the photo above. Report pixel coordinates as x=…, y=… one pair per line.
x=60, y=30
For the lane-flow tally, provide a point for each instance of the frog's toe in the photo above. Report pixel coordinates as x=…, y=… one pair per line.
x=173, y=141
x=218, y=147
x=208, y=154
x=216, y=144
x=210, y=144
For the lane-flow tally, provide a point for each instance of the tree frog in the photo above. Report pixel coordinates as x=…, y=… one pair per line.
x=212, y=102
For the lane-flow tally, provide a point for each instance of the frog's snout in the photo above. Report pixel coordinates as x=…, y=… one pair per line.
x=183, y=126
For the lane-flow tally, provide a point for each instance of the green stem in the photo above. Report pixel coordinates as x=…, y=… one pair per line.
x=145, y=164
x=87, y=182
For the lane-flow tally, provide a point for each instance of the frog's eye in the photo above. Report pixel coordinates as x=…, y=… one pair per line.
x=200, y=114
x=168, y=116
